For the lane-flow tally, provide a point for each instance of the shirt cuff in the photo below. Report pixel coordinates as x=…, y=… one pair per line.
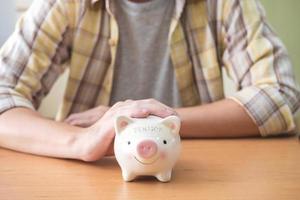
x=267, y=108
x=8, y=102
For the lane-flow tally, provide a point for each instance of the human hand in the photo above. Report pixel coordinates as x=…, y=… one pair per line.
x=98, y=140
x=86, y=118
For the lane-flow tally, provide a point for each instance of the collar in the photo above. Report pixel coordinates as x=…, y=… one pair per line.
x=178, y=8
x=94, y=1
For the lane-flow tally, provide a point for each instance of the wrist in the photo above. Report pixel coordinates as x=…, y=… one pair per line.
x=76, y=142
x=92, y=143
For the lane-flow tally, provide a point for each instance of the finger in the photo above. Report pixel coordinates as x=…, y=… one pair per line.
x=81, y=123
x=151, y=110
x=143, y=111
x=68, y=120
x=139, y=113
x=73, y=122
x=158, y=103
x=110, y=150
x=71, y=118
x=128, y=101
x=154, y=107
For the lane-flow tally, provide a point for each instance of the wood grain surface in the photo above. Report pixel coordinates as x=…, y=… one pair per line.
x=208, y=169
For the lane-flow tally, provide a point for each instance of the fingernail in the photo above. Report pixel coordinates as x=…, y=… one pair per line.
x=140, y=113
x=145, y=111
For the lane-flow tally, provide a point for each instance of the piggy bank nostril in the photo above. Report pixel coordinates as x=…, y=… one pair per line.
x=147, y=149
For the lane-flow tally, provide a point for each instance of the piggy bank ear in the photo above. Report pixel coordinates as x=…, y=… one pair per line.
x=173, y=123
x=121, y=122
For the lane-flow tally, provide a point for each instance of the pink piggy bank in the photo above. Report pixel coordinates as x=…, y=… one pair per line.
x=147, y=146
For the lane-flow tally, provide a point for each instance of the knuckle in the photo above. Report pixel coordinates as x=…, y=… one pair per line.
x=151, y=100
x=129, y=101
x=133, y=104
x=118, y=104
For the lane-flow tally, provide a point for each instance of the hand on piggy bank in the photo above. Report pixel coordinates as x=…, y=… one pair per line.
x=147, y=146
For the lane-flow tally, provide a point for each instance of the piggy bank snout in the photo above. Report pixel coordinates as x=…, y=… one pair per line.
x=147, y=149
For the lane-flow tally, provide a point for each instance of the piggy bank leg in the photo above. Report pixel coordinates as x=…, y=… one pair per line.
x=128, y=176
x=164, y=176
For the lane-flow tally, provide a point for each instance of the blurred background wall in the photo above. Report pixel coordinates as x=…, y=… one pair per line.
x=284, y=16
x=7, y=19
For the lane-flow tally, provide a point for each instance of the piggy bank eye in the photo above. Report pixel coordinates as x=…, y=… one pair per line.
x=165, y=141
x=128, y=142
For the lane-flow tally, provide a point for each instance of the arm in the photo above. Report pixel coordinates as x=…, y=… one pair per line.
x=221, y=119
x=257, y=62
x=88, y=117
x=25, y=130
x=30, y=62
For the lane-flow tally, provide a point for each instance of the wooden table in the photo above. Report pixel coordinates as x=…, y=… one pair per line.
x=208, y=169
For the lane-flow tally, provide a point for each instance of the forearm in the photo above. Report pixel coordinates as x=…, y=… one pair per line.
x=26, y=131
x=221, y=119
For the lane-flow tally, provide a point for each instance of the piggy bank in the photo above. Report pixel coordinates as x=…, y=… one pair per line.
x=147, y=146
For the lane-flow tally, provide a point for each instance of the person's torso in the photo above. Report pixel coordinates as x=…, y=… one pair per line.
x=143, y=67
x=192, y=42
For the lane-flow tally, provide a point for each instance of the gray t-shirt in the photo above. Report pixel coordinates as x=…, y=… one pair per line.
x=143, y=67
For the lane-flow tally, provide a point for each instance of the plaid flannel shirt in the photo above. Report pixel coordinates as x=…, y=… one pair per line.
x=205, y=35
